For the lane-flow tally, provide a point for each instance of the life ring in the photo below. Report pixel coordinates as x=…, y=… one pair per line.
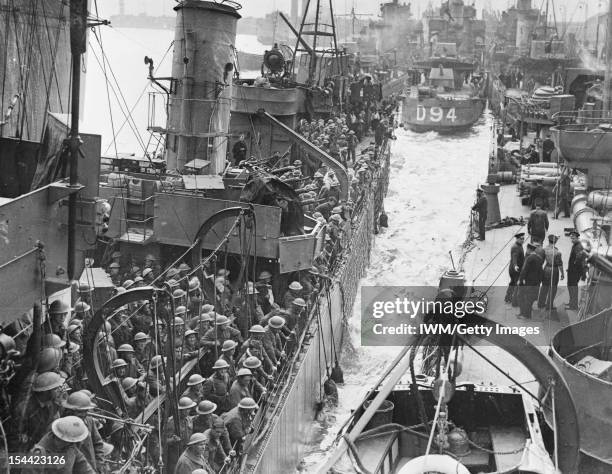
x=433, y=463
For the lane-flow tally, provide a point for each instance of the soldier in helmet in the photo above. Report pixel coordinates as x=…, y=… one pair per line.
x=216, y=387
x=156, y=379
x=227, y=354
x=238, y=422
x=63, y=439
x=215, y=453
x=253, y=363
x=206, y=418
x=294, y=291
x=57, y=316
x=256, y=349
x=256, y=334
x=134, y=368
x=136, y=396
x=185, y=426
x=272, y=339
x=245, y=385
x=223, y=332
x=78, y=404
x=191, y=348
x=142, y=348
x=194, y=457
x=33, y=415
x=195, y=389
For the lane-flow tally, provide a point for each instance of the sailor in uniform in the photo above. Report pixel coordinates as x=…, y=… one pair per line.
x=517, y=258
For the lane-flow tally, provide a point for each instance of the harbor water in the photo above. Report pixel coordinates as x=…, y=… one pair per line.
x=432, y=186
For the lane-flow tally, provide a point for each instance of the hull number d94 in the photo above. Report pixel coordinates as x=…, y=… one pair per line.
x=435, y=114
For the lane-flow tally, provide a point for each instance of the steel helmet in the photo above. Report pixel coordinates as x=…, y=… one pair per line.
x=178, y=321
x=252, y=362
x=222, y=320
x=125, y=348
x=228, y=345
x=118, y=363
x=114, y=265
x=248, y=403
x=295, y=286
x=140, y=336
x=190, y=332
x=81, y=307
x=58, y=307
x=276, y=322
x=178, y=293
x=185, y=403
x=78, y=401
x=8, y=344
x=299, y=302
x=180, y=310
x=70, y=429
x=84, y=288
x=127, y=284
x=207, y=308
x=195, y=379
x=265, y=275
x=244, y=371
x=146, y=271
x=47, y=381
x=128, y=383
x=53, y=340
x=138, y=279
x=49, y=359
x=183, y=267
x=206, y=317
x=197, y=438
x=223, y=272
x=172, y=273
x=120, y=290
x=220, y=364
x=156, y=361
x=257, y=329
x=171, y=282
x=206, y=407
x=194, y=284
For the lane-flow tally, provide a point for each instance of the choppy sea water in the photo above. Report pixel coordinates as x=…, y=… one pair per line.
x=432, y=186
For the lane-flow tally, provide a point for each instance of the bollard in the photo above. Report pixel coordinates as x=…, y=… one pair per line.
x=491, y=191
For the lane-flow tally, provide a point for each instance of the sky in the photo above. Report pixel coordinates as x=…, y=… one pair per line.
x=258, y=8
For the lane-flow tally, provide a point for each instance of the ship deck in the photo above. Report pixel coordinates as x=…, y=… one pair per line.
x=485, y=265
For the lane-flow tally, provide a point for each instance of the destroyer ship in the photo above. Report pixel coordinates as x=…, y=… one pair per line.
x=122, y=258
x=446, y=92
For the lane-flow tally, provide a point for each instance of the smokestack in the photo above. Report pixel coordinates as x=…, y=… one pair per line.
x=199, y=109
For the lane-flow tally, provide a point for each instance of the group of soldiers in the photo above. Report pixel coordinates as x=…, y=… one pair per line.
x=238, y=337
x=239, y=343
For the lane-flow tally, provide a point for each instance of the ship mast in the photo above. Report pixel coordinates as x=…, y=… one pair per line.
x=606, y=92
x=78, y=28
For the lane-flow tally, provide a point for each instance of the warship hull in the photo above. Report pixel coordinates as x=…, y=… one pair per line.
x=444, y=115
x=280, y=446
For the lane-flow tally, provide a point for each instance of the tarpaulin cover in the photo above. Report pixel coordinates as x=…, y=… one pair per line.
x=265, y=191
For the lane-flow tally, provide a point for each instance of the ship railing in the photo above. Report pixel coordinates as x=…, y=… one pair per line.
x=585, y=119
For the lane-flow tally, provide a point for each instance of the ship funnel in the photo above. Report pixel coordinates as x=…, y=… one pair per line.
x=200, y=99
